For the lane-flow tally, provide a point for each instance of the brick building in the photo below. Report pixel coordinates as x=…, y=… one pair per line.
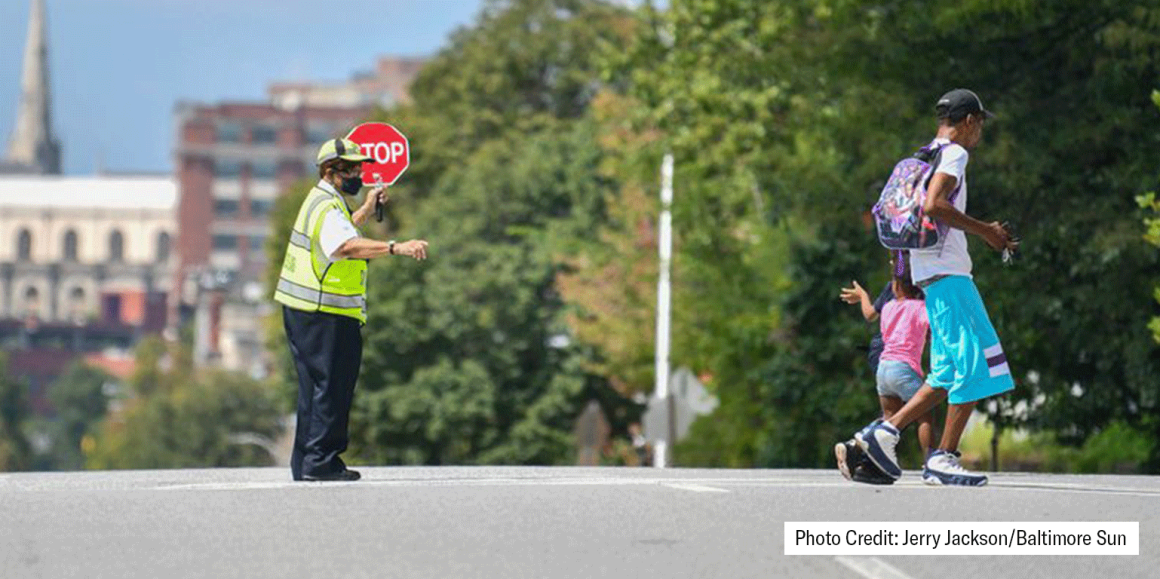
x=233, y=160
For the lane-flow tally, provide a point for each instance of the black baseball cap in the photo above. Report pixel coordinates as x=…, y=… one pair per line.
x=959, y=103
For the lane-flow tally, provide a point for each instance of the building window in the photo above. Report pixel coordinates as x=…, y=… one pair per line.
x=229, y=132
x=225, y=207
x=31, y=302
x=24, y=245
x=116, y=246
x=260, y=207
x=264, y=135
x=163, y=243
x=70, y=245
x=257, y=242
x=227, y=169
x=225, y=242
x=263, y=170
x=318, y=134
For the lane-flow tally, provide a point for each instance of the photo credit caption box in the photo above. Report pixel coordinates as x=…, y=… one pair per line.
x=962, y=538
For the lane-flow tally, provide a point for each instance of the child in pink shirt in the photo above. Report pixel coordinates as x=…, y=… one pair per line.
x=899, y=373
x=904, y=332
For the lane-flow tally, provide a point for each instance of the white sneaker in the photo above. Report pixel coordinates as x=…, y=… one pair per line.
x=943, y=468
x=879, y=444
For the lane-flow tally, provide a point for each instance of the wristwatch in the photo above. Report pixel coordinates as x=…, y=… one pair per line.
x=391, y=247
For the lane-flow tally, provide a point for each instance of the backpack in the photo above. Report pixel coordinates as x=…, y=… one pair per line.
x=899, y=217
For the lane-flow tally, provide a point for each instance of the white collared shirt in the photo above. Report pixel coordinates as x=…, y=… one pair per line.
x=337, y=228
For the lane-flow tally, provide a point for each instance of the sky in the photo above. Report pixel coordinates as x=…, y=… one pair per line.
x=118, y=67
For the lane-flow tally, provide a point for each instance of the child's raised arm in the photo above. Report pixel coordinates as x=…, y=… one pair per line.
x=857, y=295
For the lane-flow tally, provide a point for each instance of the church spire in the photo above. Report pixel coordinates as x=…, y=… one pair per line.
x=33, y=145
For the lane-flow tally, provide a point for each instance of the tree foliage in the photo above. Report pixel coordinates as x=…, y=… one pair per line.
x=467, y=357
x=537, y=135
x=1151, y=205
x=15, y=450
x=80, y=400
x=176, y=417
x=786, y=117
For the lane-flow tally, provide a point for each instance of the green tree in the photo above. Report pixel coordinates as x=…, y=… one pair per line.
x=15, y=451
x=610, y=277
x=467, y=357
x=1062, y=168
x=786, y=116
x=187, y=419
x=523, y=64
x=735, y=89
x=537, y=135
x=79, y=398
x=1149, y=203
x=149, y=375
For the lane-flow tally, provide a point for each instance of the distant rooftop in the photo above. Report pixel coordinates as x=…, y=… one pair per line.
x=386, y=85
x=98, y=192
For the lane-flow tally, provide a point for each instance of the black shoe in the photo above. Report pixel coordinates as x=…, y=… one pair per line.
x=849, y=455
x=345, y=475
x=869, y=474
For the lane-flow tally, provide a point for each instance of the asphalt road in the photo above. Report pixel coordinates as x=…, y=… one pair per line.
x=527, y=522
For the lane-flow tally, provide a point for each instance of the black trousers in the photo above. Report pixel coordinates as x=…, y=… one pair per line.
x=327, y=351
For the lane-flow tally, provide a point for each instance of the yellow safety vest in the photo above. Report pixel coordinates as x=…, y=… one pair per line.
x=312, y=282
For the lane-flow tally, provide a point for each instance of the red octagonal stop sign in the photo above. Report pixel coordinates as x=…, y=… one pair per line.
x=389, y=149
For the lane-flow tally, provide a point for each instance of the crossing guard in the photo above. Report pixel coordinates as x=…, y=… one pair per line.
x=322, y=289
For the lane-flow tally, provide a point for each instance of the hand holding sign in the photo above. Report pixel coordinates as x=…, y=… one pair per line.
x=378, y=203
x=390, y=151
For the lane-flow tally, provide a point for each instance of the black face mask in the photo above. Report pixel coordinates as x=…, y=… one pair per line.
x=351, y=185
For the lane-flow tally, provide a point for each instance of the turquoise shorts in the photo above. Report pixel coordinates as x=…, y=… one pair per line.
x=966, y=358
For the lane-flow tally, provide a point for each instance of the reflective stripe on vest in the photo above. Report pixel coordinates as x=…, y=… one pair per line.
x=319, y=296
x=312, y=281
x=300, y=239
x=310, y=230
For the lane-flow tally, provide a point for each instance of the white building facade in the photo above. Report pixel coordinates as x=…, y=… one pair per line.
x=85, y=249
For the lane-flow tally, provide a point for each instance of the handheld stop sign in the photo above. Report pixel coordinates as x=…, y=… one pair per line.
x=390, y=153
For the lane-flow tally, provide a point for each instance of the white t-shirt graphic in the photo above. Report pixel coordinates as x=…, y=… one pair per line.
x=950, y=257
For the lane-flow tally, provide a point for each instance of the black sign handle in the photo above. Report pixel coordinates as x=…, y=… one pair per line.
x=378, y=203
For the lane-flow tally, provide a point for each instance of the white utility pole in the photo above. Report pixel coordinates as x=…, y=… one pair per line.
x=664, y=305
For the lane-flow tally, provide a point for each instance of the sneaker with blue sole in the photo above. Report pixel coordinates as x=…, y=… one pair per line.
x=879, y=444
x=943, y=468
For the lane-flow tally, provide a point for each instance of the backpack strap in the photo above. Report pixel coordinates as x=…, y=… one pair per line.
x=932, y=154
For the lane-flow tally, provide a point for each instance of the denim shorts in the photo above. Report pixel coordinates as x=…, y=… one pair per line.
x=897, y=379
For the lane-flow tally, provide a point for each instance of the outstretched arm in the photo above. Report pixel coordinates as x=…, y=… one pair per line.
x=857, y=295
x=363, y=248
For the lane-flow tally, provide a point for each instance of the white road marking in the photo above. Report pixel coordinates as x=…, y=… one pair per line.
x=673, y=483
x=695, y=488
x=1071, y=488
x=872, y=568
x=696, y=484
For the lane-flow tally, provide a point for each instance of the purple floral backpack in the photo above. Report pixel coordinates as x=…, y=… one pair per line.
x=898, y=215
